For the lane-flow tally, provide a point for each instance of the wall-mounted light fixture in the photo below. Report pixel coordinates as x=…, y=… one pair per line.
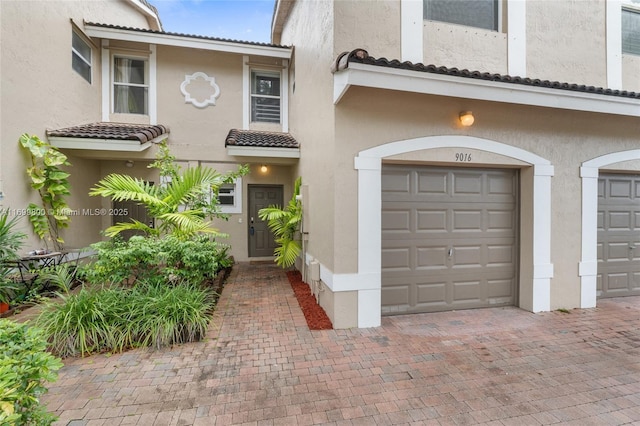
x=129, y=163
x=466, y=118
x=264, y=169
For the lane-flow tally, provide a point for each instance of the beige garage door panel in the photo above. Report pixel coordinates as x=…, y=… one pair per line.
x=618, y=235
x=448, y=238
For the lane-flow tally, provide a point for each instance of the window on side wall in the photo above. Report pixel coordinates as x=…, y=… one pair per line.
x=230, y=197
x=81, y=56
x=130, y=86
x=472, y=13
x=631, y=31
x=265, y=96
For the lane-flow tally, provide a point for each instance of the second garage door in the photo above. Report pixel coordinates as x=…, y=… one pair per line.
x=618, y=235
x=448, y=238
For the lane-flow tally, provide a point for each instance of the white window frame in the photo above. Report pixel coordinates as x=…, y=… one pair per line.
x=256, y=72
x=246, y=94
x=146, y=84
x=628, y=6
x=76, y=53
x=499, y=13
x=236, y=207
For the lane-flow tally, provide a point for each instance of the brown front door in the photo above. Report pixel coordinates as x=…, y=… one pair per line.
x=261, y=240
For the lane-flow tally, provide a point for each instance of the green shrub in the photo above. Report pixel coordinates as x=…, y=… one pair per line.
x=24, y=367
x=124, y=261
x=151, y=259
x=115, y=318
x=193, y=260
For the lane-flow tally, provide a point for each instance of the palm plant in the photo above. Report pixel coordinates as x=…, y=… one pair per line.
x=10, y=239
x=177, y=205
x=285, y=225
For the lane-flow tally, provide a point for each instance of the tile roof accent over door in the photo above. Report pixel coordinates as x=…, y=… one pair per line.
x=260, y=138
x=254, y=143
x=108, y=136
x=112, y=131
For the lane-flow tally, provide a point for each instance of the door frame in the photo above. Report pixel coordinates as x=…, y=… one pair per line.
x=534, y=291
x=588, y=266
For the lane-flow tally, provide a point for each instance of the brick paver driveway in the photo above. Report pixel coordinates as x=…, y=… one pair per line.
x=263, y=366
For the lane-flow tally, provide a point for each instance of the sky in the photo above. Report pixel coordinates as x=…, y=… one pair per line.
x=247, y=20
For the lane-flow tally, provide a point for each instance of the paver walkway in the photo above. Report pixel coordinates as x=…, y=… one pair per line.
x=263, y=366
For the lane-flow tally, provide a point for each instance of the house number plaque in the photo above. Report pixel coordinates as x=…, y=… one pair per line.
x=463, y=157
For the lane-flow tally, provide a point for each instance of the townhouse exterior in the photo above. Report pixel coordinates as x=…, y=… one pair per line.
x=536, y=204
x=104, y=83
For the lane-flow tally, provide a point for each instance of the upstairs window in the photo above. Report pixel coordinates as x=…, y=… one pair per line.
x=81, y=56
x=265, y=96
x=130, y=86
x=472, y=13
x=631, y=31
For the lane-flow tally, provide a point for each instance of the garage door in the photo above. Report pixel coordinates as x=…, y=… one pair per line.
x=448, y=238
x=618, y=235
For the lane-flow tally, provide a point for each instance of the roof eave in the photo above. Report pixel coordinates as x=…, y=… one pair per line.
x=152, y=16
x=281, y=10
x=261, y=151
x=101, y=144
x=374, y=76
x=186, y=41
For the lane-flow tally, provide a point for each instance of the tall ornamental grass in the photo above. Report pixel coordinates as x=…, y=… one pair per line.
x=115, y=318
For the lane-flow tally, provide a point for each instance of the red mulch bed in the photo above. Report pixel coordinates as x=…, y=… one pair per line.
x=316, y=318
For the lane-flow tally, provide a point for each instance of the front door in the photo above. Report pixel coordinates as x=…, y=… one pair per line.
x=261, y=240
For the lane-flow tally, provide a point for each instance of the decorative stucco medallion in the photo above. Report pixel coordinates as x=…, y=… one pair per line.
x=200, y=90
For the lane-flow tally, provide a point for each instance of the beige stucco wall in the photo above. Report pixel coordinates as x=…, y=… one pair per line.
x=566, y=41
x=310, y=28
x=375, y=27
x=631, y=72
x=565, y=138
x=199, y=133
x=464, y=47
x=39, y=90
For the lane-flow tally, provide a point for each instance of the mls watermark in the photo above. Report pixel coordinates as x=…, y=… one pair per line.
x=65, y=212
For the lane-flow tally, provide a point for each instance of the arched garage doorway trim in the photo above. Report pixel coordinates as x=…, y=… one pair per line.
x=369, y=165
x=588, y=268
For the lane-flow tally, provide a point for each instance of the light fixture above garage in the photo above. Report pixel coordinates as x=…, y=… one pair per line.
x=466, y=118
x=264, y=169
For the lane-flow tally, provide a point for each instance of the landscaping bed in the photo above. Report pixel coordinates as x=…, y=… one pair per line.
x=316, y=317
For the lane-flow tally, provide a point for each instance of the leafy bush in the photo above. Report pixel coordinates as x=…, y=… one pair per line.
x=193, y=260
x=124, y=261
x=115, y=318
x=24, y=367
x=157, y=260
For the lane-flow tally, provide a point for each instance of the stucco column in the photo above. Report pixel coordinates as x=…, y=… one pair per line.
x=411, y=30
x=588, y=268
x=542, y=266
x=369, y=239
